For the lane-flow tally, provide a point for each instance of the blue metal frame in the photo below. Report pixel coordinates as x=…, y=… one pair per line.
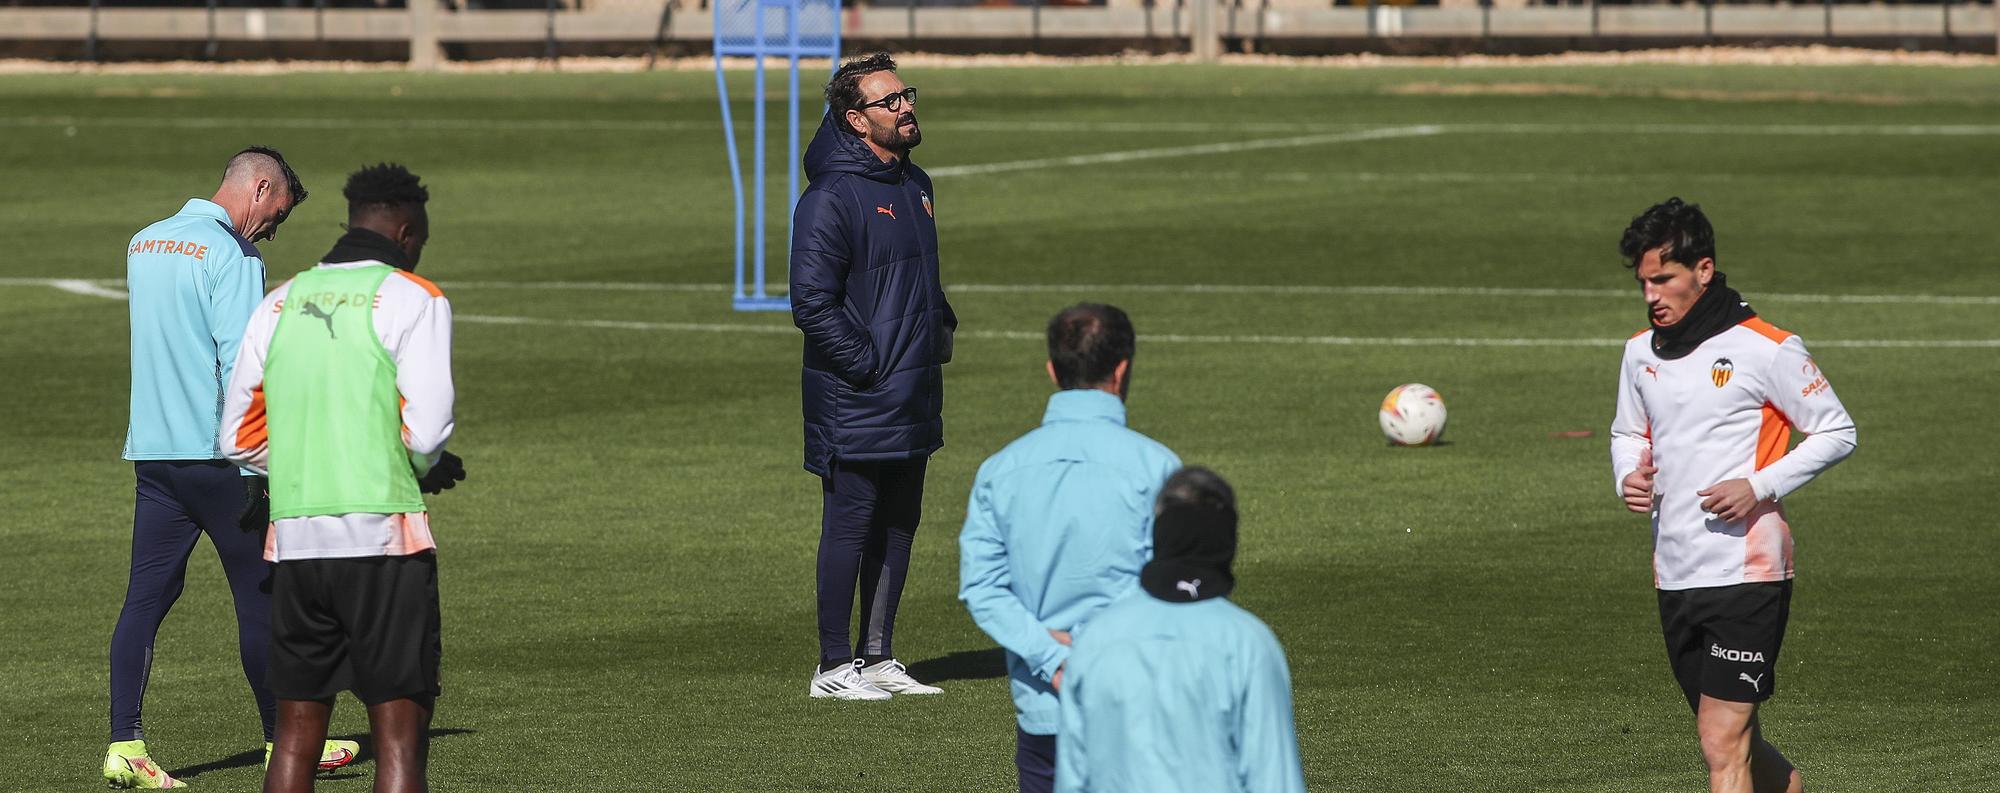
x=759, y=43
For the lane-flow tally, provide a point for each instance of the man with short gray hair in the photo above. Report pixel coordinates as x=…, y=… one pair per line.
x=194, y=280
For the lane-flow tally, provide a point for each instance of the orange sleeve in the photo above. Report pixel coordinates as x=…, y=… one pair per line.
x=254, y=431
x=423, y=282
x=1767, y=330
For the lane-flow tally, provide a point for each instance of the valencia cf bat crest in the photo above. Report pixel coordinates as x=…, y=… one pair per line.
x=1721, y=371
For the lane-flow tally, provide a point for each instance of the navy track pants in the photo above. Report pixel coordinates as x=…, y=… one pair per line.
x=1035, y=758
x=178, y=501
x=869, y=517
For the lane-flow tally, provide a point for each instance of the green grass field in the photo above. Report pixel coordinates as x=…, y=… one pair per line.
x=627, y=575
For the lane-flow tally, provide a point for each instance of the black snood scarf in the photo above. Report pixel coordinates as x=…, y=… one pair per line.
x=1193, y=546
x=360, y=245
x=1718, y=309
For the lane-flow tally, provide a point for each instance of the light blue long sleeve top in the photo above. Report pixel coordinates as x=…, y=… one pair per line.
x=1164, y=697
x=1058, y=525
x=193, y=282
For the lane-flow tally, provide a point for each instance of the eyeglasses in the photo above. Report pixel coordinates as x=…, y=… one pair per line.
x=893, y=102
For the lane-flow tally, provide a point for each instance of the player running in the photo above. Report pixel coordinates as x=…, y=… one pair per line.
x=1707, y=401
x=343, y=392
x=194, y=279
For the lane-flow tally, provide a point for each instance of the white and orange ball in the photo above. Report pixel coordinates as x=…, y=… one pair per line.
x=1413, y=415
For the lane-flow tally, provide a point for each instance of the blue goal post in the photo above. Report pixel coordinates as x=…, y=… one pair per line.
x=763, y=30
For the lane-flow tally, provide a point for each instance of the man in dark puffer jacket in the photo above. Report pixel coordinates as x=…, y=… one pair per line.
x=877, y=329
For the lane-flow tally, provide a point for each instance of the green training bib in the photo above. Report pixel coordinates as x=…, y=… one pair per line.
x=335, y=416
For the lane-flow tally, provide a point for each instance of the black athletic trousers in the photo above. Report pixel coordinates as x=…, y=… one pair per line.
x=1035, y=758
x=178, y=501
x=869, y=518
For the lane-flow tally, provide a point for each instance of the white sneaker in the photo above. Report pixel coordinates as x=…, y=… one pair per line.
x=893, y=677
x=843, y=682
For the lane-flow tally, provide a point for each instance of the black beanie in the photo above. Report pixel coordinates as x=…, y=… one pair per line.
x=1193, y=545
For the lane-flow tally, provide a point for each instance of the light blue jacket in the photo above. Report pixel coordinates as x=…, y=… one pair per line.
x=1058, y=525
x=1162, y=697
x=194, y=283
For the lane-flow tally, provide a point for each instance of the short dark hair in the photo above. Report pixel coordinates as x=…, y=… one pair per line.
x=292, y=185
x=843, y=92
x=1679, y=226
x=384, y=185
x=1086, y=342
x=1197, y=486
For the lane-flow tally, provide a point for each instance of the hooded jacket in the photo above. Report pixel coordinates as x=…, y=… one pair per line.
x=1176, y=697
x=865, y=290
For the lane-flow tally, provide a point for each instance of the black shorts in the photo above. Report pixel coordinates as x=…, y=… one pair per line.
x=367, y=625
x=1723, y=641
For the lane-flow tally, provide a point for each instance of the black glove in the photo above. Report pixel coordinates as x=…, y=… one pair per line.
x=446, y=475
x=256, y=513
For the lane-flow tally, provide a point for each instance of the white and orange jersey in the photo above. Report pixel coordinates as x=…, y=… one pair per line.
x=1725, y=411
x=413, y=320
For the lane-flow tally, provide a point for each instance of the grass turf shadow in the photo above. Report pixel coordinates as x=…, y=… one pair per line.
x=962, y=665
x=254, y=757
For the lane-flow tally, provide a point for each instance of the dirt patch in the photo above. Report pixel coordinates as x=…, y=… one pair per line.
x=1811, y=55
x=126, y=92
x=1496, y=89
x=1815, y=55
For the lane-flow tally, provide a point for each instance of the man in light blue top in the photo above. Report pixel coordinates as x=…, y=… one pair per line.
x=1173, y=689
x=1060, y=522
x=194, y=280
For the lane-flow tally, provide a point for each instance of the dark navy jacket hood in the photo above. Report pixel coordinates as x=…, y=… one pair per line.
x=834, y=151
x=866, y=292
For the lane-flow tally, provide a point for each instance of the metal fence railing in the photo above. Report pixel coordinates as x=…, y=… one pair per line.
x=434, y=29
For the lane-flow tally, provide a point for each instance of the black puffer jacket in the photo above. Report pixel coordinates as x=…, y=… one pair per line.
x=865, y=290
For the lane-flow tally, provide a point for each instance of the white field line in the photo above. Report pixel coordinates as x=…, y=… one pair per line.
x=1422, y=130
x=1200, y=127
x=1051, y=127
x=652, y=125
x=1273, y=290
x=613, y=324
x=1448, y=291
x=87, y=289
x=599, y=286
x=416, y=124
x=1231, y=339
x=1230, y=147
x=92, y=289
x=1400, y=178
x=1890, y=130
x=1406, y=177
x=1276, y=290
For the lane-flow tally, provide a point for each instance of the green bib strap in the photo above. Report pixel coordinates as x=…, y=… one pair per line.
x=335, y=416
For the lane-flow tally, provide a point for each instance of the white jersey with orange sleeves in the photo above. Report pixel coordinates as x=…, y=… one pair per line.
x=413, y=320
x=1725, y=411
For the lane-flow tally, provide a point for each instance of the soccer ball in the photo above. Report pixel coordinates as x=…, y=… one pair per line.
x=1412, y=415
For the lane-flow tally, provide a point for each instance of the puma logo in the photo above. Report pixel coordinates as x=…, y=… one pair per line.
x=313, y=310
x=1755, y=682
x=889, y=210
x=1193, y=588
x=1654, y=372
